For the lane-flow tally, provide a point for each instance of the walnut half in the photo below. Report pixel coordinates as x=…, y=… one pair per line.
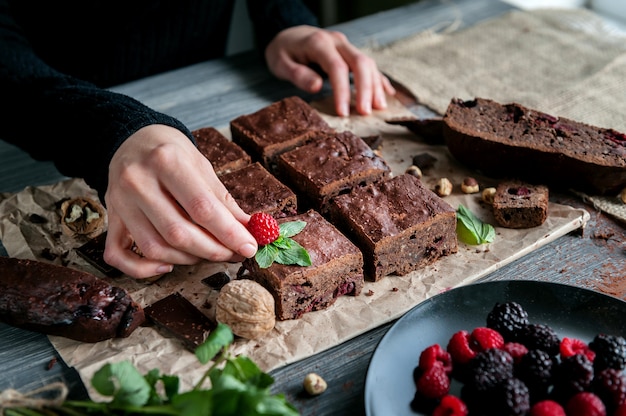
x=247, y=307
x=82, y=216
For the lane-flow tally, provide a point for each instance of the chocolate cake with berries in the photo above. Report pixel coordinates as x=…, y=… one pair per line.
x=276, y=128
x=513, y=141
x=330, y=164
x=399, y=224
x=336, y=269
x=224, y=155
x=518, y=204
x=257, y=190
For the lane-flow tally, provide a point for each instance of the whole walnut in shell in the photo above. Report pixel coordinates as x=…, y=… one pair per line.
x=247, y=307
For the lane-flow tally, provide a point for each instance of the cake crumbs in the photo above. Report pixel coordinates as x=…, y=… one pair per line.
x=369, y=293
x=395, y=289
x=52, y=363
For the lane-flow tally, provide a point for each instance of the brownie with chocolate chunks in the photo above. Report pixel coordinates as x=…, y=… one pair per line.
x=255, y=189
x=399, y=224
x=518, y=204
x=276, y=128
x=336, y=269
x=224, y=155
x=58, y=300
x=330, y=164
x=514, y=141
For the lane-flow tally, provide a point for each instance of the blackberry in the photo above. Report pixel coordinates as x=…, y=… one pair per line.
x=572, y=375
x=610, y=352
x=490, y=368
x=610, y=385
x=508, y=319
x=540, y=337
x=510, y=398
x=535, y=369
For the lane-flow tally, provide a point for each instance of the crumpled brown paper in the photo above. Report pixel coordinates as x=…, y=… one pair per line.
x=289, y=341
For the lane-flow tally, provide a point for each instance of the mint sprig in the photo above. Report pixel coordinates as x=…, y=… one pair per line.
x=284, y=250
x=237, y=387
x=471, y=230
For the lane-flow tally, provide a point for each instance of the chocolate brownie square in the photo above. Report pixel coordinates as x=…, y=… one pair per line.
x=336, y=270
x=276, y=128
x=330, y=164
x=224, y=155
x=518, y=204
x=257, y=190
x=399, y=224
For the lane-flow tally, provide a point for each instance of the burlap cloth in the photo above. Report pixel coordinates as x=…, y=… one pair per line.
x=566, y=62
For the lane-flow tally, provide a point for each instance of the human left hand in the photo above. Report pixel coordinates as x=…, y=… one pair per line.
x=291, y=52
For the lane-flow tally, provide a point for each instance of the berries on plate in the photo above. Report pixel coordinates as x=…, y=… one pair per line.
x=433, y=354
x=508, y=318
x=451, y=406
x=547, y=408
x=434, y=383
x=585, y=404
x=571, y=346
x=610, y=352
x=263, y=228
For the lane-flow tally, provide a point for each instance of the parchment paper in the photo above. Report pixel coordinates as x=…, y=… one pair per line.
x=292, y=340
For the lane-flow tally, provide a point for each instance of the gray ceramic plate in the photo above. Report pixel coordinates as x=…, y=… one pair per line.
x=571, y=311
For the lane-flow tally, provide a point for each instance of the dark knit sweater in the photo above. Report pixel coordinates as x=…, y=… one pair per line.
x=58, y=57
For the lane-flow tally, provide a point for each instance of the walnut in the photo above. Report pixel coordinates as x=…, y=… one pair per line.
x=247, y=307
x=622, y=195
x=469, y=185
x=443, y=187
x=82, y=216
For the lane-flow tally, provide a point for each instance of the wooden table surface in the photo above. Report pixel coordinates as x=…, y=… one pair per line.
x=215, y=92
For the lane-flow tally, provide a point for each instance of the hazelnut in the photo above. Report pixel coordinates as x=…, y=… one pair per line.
x=414, y=171
x=489, y=194
x=622, y=195
x=247, y=307
x=469, y=185
x=314, y=384
x=443, y=187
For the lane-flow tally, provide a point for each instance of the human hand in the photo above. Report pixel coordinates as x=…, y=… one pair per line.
x=292, y=50
x=164, y=197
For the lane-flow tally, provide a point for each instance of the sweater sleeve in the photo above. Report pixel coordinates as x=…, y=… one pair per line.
x=271, y=16
x=56, y=117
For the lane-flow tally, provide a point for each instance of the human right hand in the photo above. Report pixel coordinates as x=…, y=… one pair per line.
x=165, y=198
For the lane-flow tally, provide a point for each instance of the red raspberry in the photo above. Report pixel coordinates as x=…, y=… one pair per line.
x=459, y=347
x=263, y=228
x=434, y=382
x=434, y=354
x=547, y=408
x=450, y=406
x=572, y=346
x=516, y=350
x=463, y=346
x=484, y=338
x=585, y=404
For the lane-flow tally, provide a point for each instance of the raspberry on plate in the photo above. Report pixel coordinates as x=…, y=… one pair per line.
x=571, y=346
x=585, y=404
x=435, y=353
x=434, y=382
x=450, y=406
x=263, y=228
x=547, y=408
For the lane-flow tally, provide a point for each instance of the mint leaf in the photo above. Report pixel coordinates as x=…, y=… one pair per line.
x=123, y=382
x=218, y=339
x=246, y=370
x=295, y=254
x=471, y=230
x=289, y=229
x=266, y=255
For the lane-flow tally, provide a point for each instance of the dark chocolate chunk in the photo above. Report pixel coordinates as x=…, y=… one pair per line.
x=424, y=161
x=93, y=251
x=429, y=129
x=216, y=280
x=37, y=219
x=178, y=316
x=374, y=142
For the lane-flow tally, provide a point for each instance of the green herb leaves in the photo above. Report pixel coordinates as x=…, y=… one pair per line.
x=284, y=250
x=471, y=230
x=237, y=388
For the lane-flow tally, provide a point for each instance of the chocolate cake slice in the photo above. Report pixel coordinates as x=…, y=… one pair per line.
x=399, y=225
x=57, y=300
x=518, y=204
x=224, y=155
x=336, y=270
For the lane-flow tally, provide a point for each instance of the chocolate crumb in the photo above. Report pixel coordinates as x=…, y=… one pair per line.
x=395, y=289
x=47, y=254
x=37, y=219
x=369, y=293
x=51, y=363
x=216, y=280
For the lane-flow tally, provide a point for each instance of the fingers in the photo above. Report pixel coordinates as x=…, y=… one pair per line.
x=165, y=197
